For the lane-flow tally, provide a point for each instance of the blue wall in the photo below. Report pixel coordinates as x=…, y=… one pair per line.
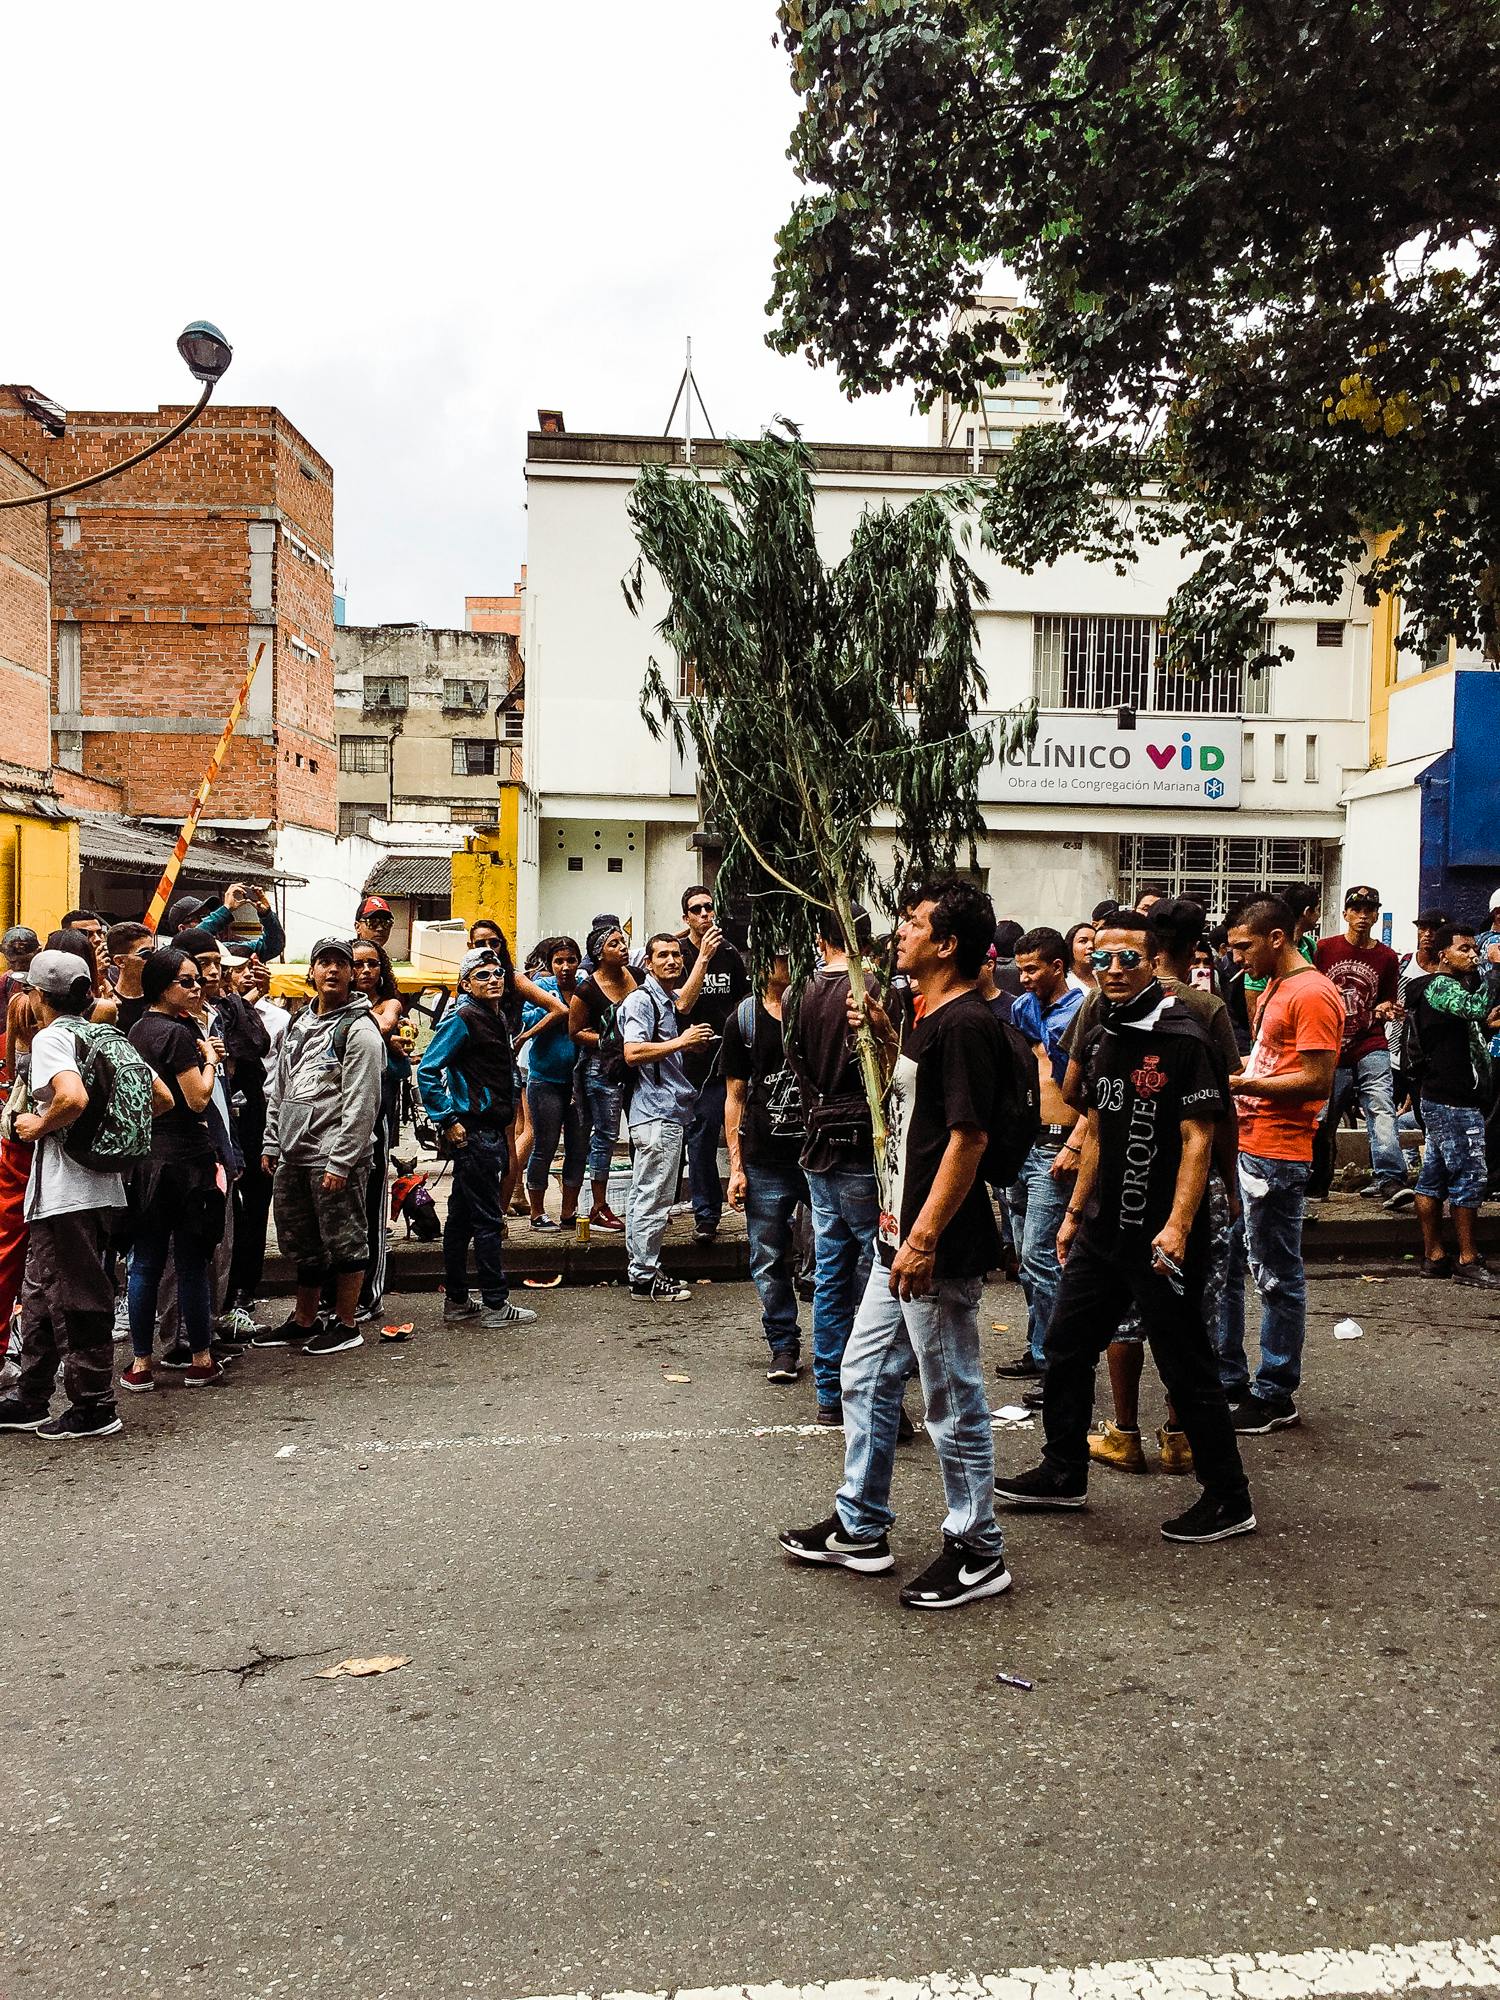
x=1461, y=803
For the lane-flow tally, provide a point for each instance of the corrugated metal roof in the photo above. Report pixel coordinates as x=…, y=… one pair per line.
x=411, y=875
x=109, y=840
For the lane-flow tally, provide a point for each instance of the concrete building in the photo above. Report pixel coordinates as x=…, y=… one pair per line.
x=990, y=419
x=497, y=614
x=1219, y=787
x=165, y=581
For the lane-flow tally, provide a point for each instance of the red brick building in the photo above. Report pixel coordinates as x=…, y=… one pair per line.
x=496, y=614
x=164, y=581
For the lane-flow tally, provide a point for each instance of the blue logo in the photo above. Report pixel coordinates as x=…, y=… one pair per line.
x=1213, y=788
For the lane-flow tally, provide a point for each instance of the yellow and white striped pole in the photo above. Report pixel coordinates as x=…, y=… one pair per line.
x=170, y=873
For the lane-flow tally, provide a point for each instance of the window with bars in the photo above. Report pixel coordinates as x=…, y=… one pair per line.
x=687, y=679
x=513, y=725
x=470, y=696
x=364, y=753
x=480, y=815
x=474, y=756
x=387, y=691
x=1099, y=663
x=355, y=820
x=1219, y=871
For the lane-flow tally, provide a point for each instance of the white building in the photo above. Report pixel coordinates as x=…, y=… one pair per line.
x=611, y=814
x=989, y=421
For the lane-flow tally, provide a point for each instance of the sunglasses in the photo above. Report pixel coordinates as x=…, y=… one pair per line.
x=182, y=979
x=1129, y=957
x=700, y=909
x=488, y=972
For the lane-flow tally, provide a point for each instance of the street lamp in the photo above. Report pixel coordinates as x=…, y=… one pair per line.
x=207, y=354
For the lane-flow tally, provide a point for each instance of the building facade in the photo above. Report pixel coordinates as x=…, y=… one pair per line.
x=1213, y=787
x=989, y=420
x=497, y=614
x=166, y=582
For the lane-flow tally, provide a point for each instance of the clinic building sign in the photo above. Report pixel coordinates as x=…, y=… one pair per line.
x=1165, y=760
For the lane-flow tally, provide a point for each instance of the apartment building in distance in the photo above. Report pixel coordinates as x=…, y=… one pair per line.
x=497, y=614
x=166, y=581
x=989, y=420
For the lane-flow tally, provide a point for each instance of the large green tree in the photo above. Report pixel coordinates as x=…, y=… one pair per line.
x=830, y=700
x=1259, y=245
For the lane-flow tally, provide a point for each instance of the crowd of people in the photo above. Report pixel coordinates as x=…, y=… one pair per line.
x=1127, y=1117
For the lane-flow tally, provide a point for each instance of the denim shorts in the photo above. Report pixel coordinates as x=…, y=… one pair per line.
x=1453, y=1161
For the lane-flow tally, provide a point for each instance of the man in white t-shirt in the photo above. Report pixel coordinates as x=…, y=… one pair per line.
x=67, y=1301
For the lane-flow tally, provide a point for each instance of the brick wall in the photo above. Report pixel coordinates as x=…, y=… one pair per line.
x=25, y=629
x=155, y=568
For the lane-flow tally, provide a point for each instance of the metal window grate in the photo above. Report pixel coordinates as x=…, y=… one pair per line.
x=387, y=691
x=1330, y=631
x=1096, y=663
x=1220, y=872
x=474, y=756
x=365, y=754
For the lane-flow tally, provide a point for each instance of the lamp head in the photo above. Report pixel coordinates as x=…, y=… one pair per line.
x=205, y=350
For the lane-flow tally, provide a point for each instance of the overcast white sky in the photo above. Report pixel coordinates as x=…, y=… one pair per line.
x=416, y=225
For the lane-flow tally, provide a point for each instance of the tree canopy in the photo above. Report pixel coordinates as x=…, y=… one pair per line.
x=1258, y=244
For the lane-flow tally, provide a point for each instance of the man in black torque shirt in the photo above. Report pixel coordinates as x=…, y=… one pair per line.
x=1137, y=1231
x=715, y=983
x=937, y=1238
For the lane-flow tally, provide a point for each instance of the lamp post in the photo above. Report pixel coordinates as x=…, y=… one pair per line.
x=207, y=354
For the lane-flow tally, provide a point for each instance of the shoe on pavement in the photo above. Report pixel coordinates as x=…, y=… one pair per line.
x=238, y=1324
x=178, y=1356
x=291, y=1333
x=1210, y=1520
x=544, y=1223
x=1478, y=1273
x=706, y=1232
x=906, y=1430
x=828, y=1542
x=1176, y=1452
x=99, y=1420
x=786, y=1365
x=1404, y=1197
x=204, y=1374
x=1034, y=1399
x=830, y=1416
x=510, y=1314
x=334, y=1338
x=1436, y=1267
x=18, y=1416
x=1109, y=1444
x=457, y=1309
x=1021, y=1365
x=959, y=1575
x=121, y=1329
x=138, y=1381
x=1259, y=1414
x=608, y=1220
x=1044, y=1486
x=660, y=1290
x=226, y=1350
x=1372, y=1191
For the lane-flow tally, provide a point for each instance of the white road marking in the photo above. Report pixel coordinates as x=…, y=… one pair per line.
x=513, y=1441
x=1269, y=1975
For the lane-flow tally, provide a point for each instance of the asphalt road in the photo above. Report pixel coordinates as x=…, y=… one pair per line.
x=634, y=1749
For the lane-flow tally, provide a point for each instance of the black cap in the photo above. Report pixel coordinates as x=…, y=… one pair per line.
x=1361, y=892
x=1432, y=920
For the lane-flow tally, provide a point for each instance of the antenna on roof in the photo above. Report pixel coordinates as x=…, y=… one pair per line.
x=687, y=388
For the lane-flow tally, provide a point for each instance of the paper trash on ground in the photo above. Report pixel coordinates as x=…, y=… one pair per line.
x=1348, y=1329
x=379, y=1663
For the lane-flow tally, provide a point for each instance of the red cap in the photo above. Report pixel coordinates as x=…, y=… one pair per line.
x=371, y=904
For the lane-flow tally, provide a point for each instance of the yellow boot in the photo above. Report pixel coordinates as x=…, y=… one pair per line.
x=1176, y=1452
x=1109, y=1445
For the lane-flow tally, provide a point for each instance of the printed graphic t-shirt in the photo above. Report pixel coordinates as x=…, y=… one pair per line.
x=1143, y=1084
x=945, y=1076
x=773, y=1126
x=1364, y=979
x=1301, y=1015
x=725, y=984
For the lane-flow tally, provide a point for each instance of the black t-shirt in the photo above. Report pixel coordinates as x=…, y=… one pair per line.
x=1448, y=1076
x=725, y=984
x=170, y=1045
x=945, y=1076
x=1143, y=1083
x=773, y=1127
x=821, y=1052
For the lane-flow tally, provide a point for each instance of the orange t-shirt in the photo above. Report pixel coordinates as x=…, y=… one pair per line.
x=1300, y=1015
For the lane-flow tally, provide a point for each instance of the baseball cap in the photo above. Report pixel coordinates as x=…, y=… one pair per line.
x=1494, y=899
x=331, y=947
x=473, y=961
x=1361, y=892
x=1431, y=920
x=373, y=906
x=21, y=938
x=57, y=972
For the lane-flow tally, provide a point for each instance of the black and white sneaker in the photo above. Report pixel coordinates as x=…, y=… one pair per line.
x=959, y=1574
x=1044, y=1486
x=333, y=1338
x=1402, y=1198
x=827, y=1542
x=178, y=1357
x=510, y=1314
x=460, y=1309
x=291, y=1333
x=1210, y=1520
x=786, y=1365
x=98, y=1420
x=18, y=1416
x=661, y=1291
x=1257, y=1415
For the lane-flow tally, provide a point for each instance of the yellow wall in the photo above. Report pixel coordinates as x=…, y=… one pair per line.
x=38, y=871
x=485, y=875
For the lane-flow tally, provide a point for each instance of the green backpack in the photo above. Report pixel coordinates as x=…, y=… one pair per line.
x=113, y=1133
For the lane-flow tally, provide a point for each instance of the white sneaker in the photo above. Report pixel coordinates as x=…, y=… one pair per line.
x=122, y=1318
x=236, y=1324
x=506, y=1315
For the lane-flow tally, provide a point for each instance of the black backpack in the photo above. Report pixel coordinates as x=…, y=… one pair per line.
x=1016, y=1118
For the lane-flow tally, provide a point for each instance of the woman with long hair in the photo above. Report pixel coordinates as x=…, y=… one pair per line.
x=591, y=1006
x=1080, y=942
x=376, y=980
x=486, y=934
x=552, y=1088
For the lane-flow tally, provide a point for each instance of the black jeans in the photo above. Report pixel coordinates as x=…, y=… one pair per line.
x=252, y=1206
x=67, y=1311
x=1097, y=1290
x=474, y=1217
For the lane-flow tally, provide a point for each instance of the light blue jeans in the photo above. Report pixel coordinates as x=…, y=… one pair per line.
x=655, y=1163
x=845, y=1215
x=1370, y=1083
x=771, y=1194
x=1272, y=1194
x=939, y=1335
x=1040, y=1203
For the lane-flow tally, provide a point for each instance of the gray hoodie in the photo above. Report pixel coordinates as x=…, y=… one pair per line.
x=320, y=1111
